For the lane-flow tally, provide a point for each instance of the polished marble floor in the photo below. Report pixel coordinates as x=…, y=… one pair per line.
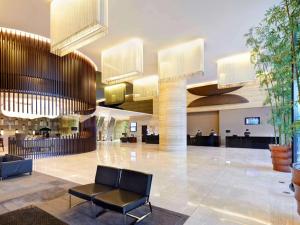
x=213, y=186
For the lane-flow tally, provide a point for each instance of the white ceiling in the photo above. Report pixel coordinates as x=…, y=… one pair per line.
x=160, y=23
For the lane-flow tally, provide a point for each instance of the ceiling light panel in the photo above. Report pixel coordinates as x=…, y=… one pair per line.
x=235, y=70
x=145, y=88
x=76, y=23
x=123, y=62
x=182, y=60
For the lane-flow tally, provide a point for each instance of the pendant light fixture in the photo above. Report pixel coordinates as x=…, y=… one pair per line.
x=235, y=70
x=76, y=23
x=182, y=60
x=123, y=62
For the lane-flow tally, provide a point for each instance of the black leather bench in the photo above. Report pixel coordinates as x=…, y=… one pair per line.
x=119, y=190
x=107, y=179
x=133, y=192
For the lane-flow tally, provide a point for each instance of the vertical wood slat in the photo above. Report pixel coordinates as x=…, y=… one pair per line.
x=85, y=141
x=28, y=70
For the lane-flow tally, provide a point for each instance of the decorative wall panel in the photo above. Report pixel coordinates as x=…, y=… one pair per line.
x=115, y=94
x=31, y=75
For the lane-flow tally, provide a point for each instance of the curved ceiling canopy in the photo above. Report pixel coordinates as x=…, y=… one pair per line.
x=35, y=83
x=218, y=100
x=212, y=89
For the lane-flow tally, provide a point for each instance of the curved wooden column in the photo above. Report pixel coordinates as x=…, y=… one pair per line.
x=172, y=115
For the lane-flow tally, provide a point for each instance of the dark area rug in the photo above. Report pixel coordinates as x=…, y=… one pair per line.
x=50, y=194
x=29, y=216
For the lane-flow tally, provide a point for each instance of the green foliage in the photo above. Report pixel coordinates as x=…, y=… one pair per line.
x=275, y=52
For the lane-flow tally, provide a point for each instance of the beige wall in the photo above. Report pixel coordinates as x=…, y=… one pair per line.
x=150, y=121
x=203, y=121
x=233, y=120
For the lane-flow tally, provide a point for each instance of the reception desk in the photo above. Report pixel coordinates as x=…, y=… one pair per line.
x=213, y=141
x=249, y=142
x=152, y=139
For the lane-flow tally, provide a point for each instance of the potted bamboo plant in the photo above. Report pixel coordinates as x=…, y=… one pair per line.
x=275, y=55
x=275, y=47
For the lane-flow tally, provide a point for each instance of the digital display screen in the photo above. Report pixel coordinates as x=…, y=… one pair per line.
x=133, y=127
x=252, y=120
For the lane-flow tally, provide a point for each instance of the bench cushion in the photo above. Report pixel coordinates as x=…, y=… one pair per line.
x=119, y=200
x=89, y=190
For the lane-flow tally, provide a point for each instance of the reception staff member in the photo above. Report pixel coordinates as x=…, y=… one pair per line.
x=247, y=133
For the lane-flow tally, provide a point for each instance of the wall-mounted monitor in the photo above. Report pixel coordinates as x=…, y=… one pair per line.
x=133, y=127
x=252, y=120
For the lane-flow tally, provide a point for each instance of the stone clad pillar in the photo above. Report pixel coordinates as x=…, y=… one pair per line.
x=172, y=115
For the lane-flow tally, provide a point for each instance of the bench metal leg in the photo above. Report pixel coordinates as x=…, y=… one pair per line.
x=100, y=213
x=124, y=219
x=139, y=219
x=70, y=202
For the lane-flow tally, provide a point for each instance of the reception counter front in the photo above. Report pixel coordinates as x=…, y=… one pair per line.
x=152, y=139
x=213, y=141
x=249, y=142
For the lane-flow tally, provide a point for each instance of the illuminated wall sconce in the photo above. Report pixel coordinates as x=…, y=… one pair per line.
x=235, y=70
x=115, y=94
x=182, y=60
x=17, y=131
x=76, y=23
x=145, y=88
x=33, y=132
x=123, y=62
x=1, y=132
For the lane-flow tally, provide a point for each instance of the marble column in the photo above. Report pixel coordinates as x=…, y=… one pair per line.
x=172, y=115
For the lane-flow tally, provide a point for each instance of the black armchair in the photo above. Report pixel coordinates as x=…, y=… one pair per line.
x=107, y=179
x=11, y=165
x=133, y=192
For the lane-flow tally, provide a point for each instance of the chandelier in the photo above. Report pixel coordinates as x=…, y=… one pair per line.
x=76, y=23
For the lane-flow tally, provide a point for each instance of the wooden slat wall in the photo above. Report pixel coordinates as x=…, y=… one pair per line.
x=28, y=72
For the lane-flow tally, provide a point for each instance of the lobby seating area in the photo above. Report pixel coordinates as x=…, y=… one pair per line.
x=118, y=190
x=130, y=112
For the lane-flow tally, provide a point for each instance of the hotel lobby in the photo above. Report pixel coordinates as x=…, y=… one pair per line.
x=162, y=112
